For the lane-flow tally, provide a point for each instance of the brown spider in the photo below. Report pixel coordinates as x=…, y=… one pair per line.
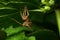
x=25, y=18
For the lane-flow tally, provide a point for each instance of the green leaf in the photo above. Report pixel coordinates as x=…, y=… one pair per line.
x=31, y=38
x=44, y=34
x=12, y=30
x=19, y=36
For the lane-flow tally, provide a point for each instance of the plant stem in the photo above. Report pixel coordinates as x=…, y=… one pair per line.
x=57, y=11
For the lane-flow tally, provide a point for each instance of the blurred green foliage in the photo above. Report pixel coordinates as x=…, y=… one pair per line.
x=42, y=14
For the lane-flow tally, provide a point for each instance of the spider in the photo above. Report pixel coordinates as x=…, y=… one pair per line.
x=25, y=18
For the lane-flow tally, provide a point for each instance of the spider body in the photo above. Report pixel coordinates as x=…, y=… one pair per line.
x=27, y=23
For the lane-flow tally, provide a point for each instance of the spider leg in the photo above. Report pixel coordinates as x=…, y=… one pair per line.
x=21, y=13
x=27, y=13
x=16, y=21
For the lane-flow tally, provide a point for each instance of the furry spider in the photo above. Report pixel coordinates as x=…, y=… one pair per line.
x=25, y=18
